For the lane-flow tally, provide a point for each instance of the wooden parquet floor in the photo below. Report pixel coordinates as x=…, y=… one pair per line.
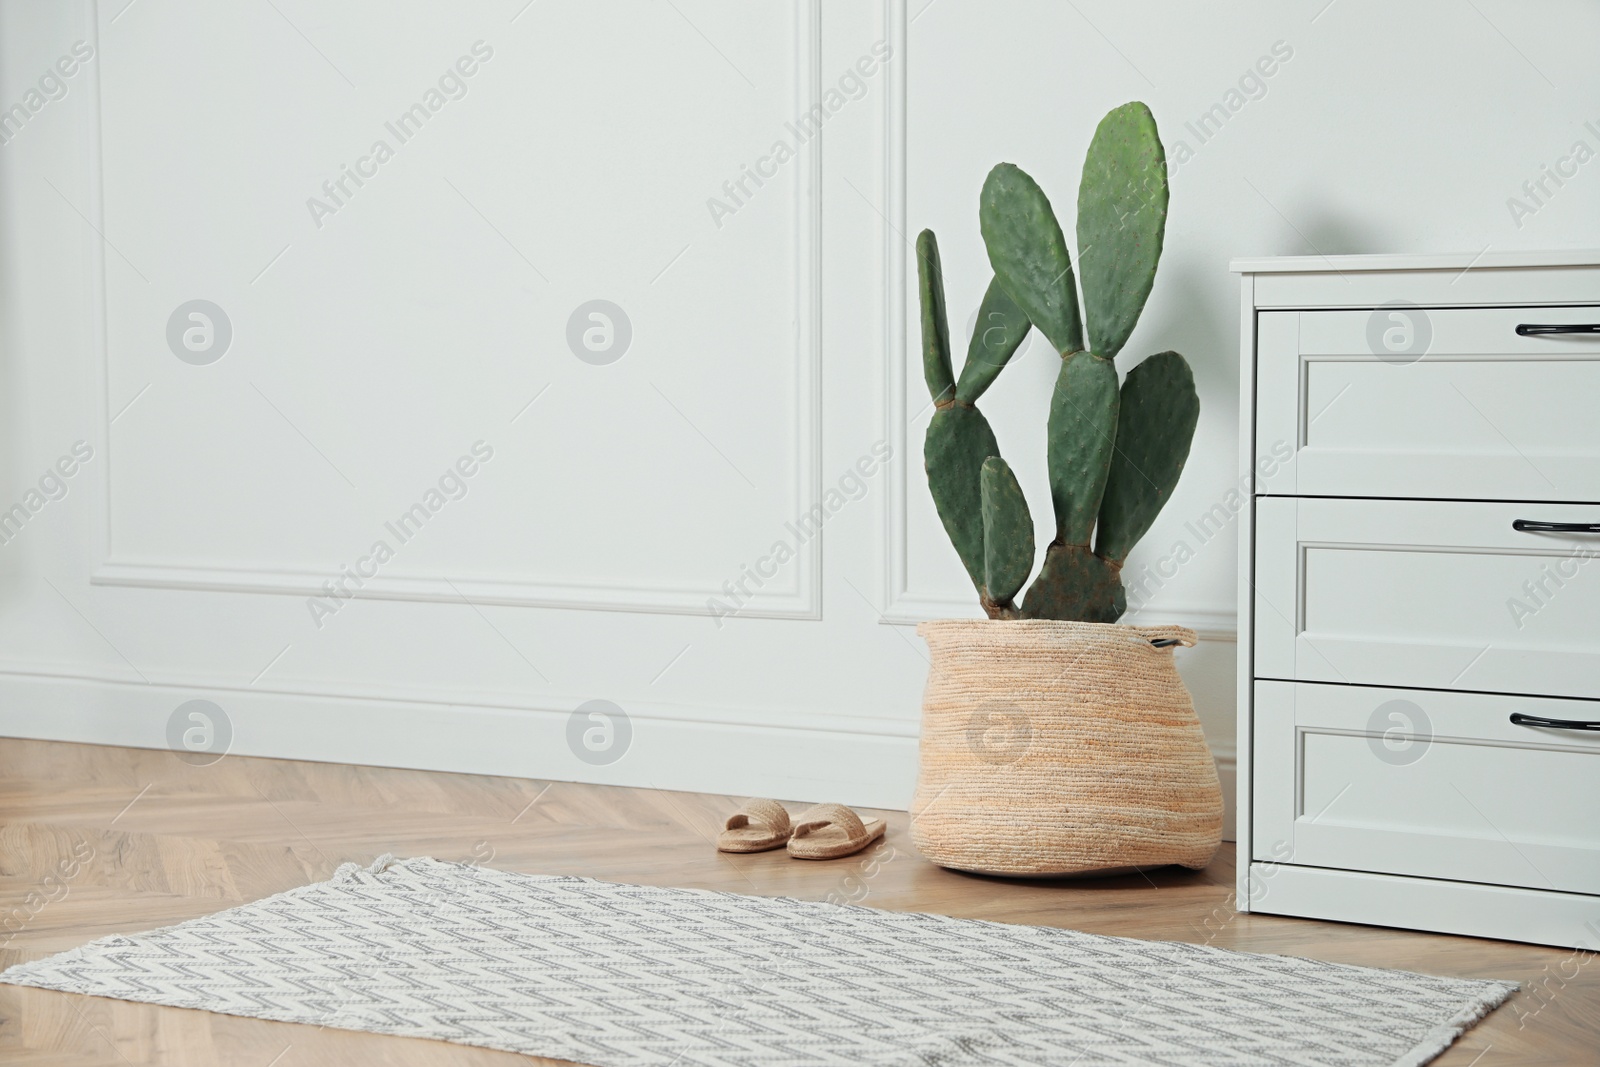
x=99, y=840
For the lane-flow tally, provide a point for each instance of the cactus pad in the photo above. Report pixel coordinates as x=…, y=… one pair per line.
x=1029, y=254
x=1155, y=427
x=999, y=332
x=1083, y=428
x=1007, y=536
x=959, y=440
x=1122, y=217
x=935, y=325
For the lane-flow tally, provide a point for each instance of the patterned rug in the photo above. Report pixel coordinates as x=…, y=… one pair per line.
x=635, y=976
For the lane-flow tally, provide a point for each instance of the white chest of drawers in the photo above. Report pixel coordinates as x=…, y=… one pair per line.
x=1420, y=593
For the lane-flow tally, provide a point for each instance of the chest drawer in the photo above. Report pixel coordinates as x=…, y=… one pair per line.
x=1428, y=594
x=1429, y=784
x=1437, y=403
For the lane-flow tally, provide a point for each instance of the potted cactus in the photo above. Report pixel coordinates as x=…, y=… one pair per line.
x=1105, y=766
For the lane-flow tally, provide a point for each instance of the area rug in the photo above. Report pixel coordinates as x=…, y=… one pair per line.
x=640, y=976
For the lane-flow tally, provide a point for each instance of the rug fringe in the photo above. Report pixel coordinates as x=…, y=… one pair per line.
x=348, y=871
x=1445, y=1034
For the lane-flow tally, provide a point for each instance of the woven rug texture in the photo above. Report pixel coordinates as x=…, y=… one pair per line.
x=638, y=976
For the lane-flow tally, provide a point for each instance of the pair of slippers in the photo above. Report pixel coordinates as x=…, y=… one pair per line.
x=824, y=832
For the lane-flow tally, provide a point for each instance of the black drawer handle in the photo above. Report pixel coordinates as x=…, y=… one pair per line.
x=1535, y=526
x=1535, y=329
x=1520, y=719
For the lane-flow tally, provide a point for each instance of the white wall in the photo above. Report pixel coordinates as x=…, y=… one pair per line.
x=374, y=344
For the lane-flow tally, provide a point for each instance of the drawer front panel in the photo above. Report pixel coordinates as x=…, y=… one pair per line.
x=1437, y=403
x=1429, y=784
x=1429, y=594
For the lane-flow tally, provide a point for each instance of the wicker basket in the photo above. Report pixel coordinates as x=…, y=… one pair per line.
x=1053, y=748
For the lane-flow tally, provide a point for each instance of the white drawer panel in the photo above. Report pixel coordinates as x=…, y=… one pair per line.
x=1460, y=408
x=1430, y=784
x=1430, y=594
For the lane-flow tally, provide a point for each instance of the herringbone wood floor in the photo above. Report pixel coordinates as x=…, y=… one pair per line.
x=97, y=840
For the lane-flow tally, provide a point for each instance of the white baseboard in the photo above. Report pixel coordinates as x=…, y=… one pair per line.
x=1537, y=916
x=863, y=762
x=870, y=763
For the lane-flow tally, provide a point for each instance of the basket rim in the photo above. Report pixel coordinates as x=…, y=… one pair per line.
x=978, y=628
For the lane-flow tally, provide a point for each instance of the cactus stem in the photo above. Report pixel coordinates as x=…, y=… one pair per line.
x=1003, y=609
x=1059, y=543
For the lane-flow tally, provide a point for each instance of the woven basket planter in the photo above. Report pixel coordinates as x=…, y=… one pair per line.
x=1053, y=748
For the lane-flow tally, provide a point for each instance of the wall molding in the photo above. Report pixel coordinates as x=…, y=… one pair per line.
x=897, y=607
x=804, y=603
x=803, y=600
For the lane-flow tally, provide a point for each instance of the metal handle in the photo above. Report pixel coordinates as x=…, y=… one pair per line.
x=1534, y=329
x=1520, y=719
x=1535, y=526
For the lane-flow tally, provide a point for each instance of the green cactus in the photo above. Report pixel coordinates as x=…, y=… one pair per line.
x=935, y=326
x=1076, y=584
x=958, y=441
x=1115, y=454
x=1154, y=429
x=999, y=332
x=1122, y=214
x=1082, y=430
x=1007, y=535
x=1029, y=254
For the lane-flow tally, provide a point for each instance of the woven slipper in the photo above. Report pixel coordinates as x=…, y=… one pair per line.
x=829, y=831
x=758, y=826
